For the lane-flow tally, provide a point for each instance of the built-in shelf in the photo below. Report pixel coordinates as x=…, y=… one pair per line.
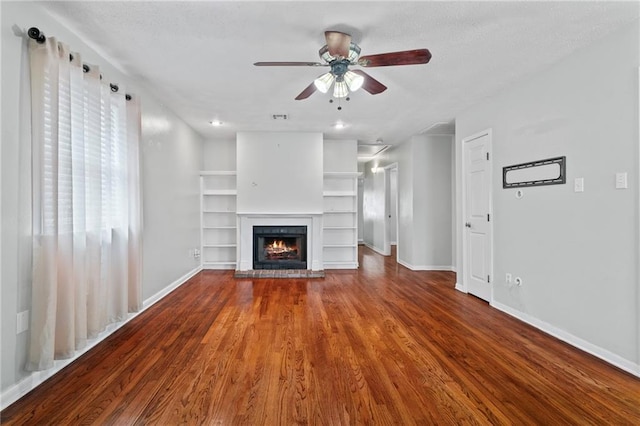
x=217, y=173
x=339, y=194
x=340, y=221
x=218, y=219
x=340, y=227
x=220, y=192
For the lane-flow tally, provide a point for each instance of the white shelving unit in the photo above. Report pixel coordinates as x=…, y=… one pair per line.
x=219, y=229
x=340, y=220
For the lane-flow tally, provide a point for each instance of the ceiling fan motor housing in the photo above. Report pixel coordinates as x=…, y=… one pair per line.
x=339, y=67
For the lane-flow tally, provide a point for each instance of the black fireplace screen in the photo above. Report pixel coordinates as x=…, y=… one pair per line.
x=279, y=247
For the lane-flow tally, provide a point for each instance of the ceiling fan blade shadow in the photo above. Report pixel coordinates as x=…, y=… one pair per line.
x=370, y=84
x=406, y=57
x=307, y=92
x=338, y=43
x=289, y=64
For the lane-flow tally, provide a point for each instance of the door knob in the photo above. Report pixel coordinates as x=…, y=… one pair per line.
x=468, y=225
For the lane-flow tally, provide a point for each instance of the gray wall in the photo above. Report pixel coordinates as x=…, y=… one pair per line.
x=171, y=161
x=432, y=195
x=171, y=158
x=424, y=201
x=577, y=253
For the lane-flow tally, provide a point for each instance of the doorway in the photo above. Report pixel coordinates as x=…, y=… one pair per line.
x=477, y=236
x=391, y=236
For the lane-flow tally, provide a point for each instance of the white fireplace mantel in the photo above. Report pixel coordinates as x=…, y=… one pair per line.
x=312, y=220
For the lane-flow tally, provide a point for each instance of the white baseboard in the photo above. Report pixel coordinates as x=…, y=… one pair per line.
x=168, y=289
x=35, y=378
x=460, y=287
x=447, y=268
x=341, y=265
x=605, y=355
x=376, y=249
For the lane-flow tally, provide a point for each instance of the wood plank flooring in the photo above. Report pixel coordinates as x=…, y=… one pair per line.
x=381, y=345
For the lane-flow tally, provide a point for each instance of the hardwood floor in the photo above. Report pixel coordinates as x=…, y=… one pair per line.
x=381, y=345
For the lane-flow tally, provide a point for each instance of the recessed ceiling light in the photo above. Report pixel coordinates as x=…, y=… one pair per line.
x=216, y=123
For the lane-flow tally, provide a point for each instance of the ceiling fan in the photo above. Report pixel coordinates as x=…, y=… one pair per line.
x=339, y=53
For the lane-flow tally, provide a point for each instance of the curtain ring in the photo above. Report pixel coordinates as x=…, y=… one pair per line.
x=85, y=68
x=114, y=87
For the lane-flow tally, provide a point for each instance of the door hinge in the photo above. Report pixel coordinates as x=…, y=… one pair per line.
x=488, y=278
x=488, y=217
x=487, y=156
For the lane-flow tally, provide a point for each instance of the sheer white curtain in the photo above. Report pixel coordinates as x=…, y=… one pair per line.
x=85, y=202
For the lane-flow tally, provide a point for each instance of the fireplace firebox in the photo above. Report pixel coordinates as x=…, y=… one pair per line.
x=279, y=247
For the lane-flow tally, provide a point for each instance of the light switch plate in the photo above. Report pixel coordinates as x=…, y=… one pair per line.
x=22, y=322
x=578, y=185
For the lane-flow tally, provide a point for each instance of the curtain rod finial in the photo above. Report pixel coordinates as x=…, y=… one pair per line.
x=35, y=34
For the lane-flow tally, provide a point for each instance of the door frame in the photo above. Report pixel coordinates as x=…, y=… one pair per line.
x=463, y=202
x=387, y=196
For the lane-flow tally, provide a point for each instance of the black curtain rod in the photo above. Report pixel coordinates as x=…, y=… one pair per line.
x=39, y=37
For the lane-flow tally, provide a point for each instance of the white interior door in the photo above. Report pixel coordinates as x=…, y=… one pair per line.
x=478, y=239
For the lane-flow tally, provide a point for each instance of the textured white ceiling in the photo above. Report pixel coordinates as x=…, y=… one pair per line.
x=197, y=57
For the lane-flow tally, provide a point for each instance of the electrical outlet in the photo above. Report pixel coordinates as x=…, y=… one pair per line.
x=196, y=253
x=507, y=278
x=621, y=180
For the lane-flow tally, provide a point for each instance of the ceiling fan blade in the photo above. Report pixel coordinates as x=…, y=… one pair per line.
x=289, y=64
x=407, y=57
x=307, y=92
x=370, y=84
x=338, y=43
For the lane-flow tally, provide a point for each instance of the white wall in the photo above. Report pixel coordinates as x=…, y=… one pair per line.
x=279, y=172
x=577, y=253
x=374, y=199
x=340, y=155
x=373, y=206
x=361, y=183
x=432, y=194
x=219, y=154
x=392, y=208
x=424, y=202
x=171, y=158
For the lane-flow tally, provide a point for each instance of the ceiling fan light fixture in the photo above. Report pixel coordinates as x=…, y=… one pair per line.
x=340, y=89
x=325, y=55
x=354, y=81
x=324, y=82
x=354, y=52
